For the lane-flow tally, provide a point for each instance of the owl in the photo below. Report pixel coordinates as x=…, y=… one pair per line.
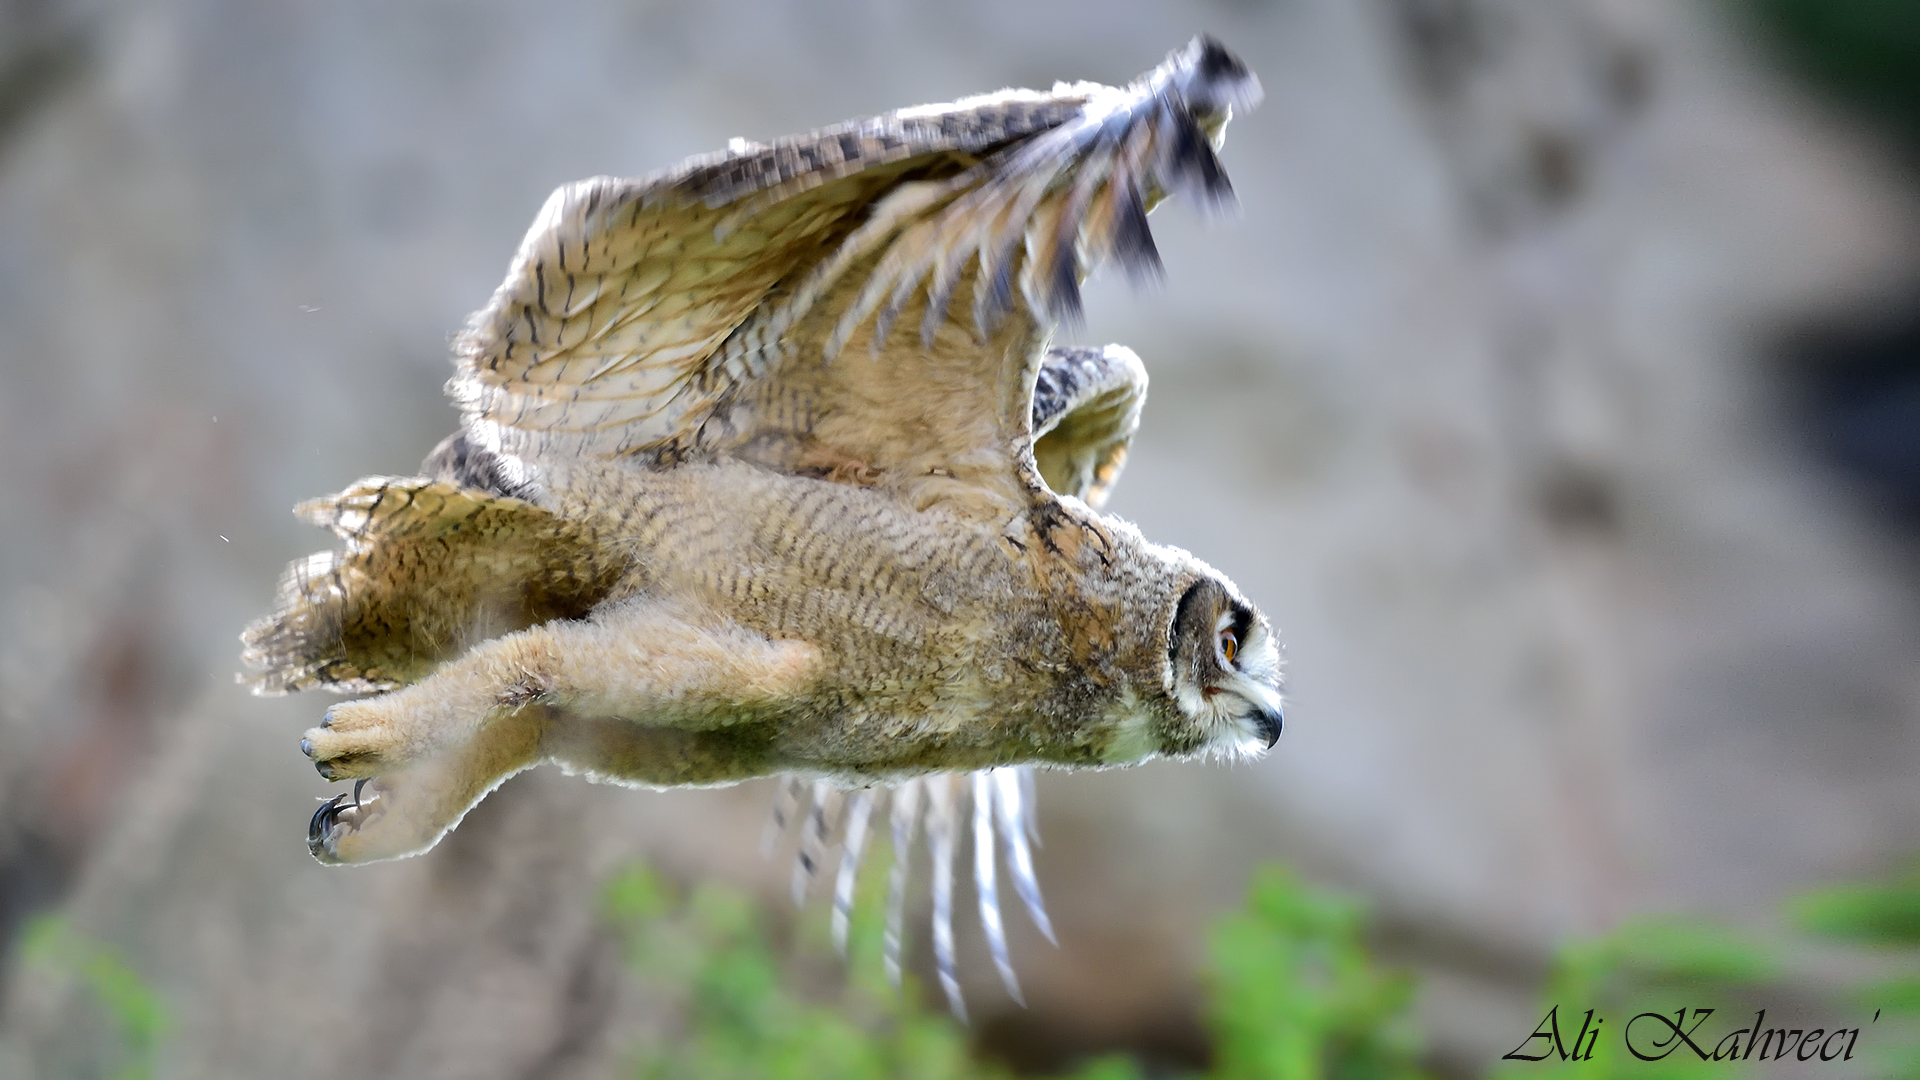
x=765, y=466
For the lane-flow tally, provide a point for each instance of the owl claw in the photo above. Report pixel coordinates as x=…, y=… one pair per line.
x=337, y=818
x=320, y=830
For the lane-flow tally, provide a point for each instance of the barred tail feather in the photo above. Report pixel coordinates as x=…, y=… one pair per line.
x=1013, y=800
x=858, y=812
x=814, y=839
x=905, y=814
x=1002, y=822
x=940, y=824
x=986, y=882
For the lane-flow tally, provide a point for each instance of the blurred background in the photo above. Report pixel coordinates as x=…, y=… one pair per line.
x=1556, y=390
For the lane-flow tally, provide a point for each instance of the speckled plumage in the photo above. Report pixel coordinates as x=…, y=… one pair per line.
x=765, y=466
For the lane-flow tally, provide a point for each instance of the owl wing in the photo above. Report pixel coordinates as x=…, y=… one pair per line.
x=430, y=567
x=714, y=304
x=1086, y=407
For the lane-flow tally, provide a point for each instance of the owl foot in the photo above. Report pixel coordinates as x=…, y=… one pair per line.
x=407, y=810
x=355, y=740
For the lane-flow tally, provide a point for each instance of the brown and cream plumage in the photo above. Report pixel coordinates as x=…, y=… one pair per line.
x=765, y=466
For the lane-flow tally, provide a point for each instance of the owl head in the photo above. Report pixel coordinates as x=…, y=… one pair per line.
x=1224, y=674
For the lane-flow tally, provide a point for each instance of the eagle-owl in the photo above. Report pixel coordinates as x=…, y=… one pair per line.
x=765, y=466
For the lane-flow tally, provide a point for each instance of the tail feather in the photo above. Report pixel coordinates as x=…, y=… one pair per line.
x=940, y=840
x=1001, y=803
x=858, y=812
x=905, y=810
x=986, y=883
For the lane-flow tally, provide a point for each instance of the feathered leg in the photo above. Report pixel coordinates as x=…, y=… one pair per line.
x=433, y=743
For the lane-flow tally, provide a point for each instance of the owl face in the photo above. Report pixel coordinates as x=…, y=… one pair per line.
x=1226, y=674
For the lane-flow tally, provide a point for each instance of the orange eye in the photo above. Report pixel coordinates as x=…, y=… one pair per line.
x=1229, y=645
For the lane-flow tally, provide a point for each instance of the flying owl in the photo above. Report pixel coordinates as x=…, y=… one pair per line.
x=765, y=466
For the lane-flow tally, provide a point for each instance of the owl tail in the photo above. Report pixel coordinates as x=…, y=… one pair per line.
x=429, y=569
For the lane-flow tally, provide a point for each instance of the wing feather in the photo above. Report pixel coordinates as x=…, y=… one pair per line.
x=636, y=313
x=1086, y=407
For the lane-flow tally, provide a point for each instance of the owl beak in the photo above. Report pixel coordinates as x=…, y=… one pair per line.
x=1267, y=722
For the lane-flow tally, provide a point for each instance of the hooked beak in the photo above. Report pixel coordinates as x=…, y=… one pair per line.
x=1267, y=723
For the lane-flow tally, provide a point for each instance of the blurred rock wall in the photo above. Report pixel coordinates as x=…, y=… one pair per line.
x=1467, y=397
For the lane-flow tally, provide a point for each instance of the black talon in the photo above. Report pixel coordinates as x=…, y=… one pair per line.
x=306, y=747
x=318, y=827
x=357, y=785
x=324, y=768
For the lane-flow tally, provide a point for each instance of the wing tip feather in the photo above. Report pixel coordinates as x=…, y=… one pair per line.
x=1212, y=77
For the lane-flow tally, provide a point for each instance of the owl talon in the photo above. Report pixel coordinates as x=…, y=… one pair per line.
x=320, y=836
x=340, y=817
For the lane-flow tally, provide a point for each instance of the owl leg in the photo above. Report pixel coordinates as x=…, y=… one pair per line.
x=439, y=746
x=616, y=750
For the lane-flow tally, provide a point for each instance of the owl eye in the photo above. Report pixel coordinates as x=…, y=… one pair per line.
x=1229, y=645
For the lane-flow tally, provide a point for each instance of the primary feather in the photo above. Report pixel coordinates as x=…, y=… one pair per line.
x=637, y=313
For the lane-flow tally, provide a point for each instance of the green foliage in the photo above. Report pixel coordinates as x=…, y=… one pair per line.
x=137, y=1014
x=1291, y=991
x=1865, y=51
x=711, y=950
x=1658, y=955
x=1885, y=918
x=1293, y=994
x=1877, y=914
x=1651, y=965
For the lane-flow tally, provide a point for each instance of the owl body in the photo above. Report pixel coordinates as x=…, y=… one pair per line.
x=766, y=466
x=938, y=640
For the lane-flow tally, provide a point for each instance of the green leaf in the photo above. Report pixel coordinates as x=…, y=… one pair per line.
x=1877, y=914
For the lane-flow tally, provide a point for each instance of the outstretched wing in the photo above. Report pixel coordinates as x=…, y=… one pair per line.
x=747, y=302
